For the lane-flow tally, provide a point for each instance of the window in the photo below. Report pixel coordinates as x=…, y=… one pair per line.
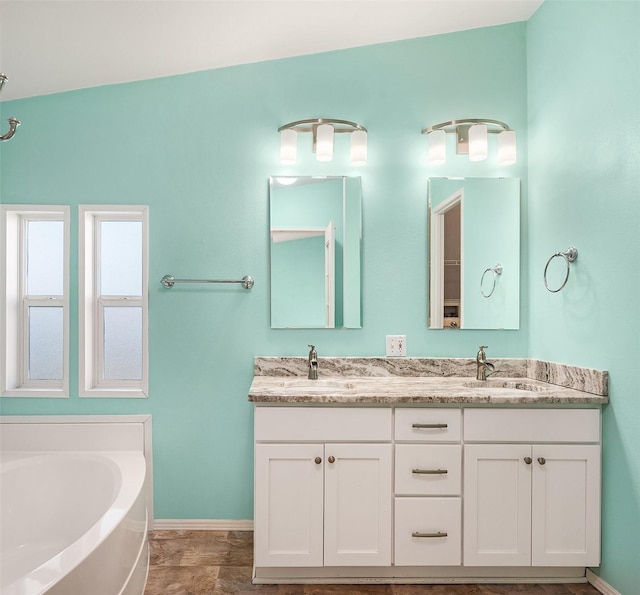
x=34, y=319
x=113, y=301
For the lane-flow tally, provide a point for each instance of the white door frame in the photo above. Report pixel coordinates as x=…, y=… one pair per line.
x=436, y=248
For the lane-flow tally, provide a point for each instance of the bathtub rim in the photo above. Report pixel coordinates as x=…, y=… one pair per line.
x=146, y=425
x=72, y=556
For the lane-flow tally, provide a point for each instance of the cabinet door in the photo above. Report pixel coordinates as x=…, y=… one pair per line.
x=357, y=505
x=497, y=505
x=288, y=504
x=566, y=505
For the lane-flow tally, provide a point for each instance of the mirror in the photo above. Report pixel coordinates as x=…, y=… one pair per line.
x=316, y=237
x=474, y=253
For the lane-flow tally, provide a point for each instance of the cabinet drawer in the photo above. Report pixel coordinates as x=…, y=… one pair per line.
x=428, y=425
x=428, y=469
x=428, y=532
x=322, y=424
x=532, y=425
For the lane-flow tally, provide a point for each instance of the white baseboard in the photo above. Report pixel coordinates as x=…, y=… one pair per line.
x=202, y=525
x=600, y=584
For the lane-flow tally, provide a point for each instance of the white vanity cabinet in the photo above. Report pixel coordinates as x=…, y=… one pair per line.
x=428, y=487
x=532, y=490
x=323, y=487
x=425, y=494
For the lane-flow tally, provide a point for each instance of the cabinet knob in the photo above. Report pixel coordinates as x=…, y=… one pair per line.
x=318, y=460
x=527, y=460
x=332, y=459
x=542, y=460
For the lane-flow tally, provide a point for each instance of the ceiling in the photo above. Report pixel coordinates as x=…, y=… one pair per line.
x=48, y=46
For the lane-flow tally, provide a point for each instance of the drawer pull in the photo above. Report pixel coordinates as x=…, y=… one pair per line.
x=438, y=534
x=527, y=460
x=430, y=471
x=318, y=460
x=542, y=460
x=332, y=459
x=429, y=426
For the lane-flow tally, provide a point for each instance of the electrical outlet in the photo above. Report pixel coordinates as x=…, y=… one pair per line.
x=396, y=345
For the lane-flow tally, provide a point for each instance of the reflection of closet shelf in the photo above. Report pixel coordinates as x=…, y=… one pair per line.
x=452, y=263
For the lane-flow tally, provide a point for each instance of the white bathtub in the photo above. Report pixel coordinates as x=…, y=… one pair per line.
x=73, y=523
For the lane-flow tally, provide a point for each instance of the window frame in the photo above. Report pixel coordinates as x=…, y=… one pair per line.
x=15, y=302
x=91, y=303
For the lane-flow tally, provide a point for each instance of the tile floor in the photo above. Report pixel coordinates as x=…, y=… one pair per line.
x=220, y=563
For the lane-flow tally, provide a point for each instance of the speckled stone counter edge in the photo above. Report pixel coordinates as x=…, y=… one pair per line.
x=582, y=379
x=587, y=380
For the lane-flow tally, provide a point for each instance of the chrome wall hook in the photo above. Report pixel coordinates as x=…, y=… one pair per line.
x=13, y=122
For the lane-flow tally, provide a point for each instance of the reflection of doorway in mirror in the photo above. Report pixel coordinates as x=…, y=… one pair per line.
x=446, y=308
x=303, y=268
x=452, y=279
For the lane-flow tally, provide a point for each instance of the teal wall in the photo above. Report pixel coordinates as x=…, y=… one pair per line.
x=297, y=283
x=199, y=149
x=584, y=175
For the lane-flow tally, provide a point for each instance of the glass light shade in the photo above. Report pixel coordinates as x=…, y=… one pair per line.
x=478, y=145
x=358, y=147
x=437, y=152
x=507, y=154
x=324, y=142
x=288, y=146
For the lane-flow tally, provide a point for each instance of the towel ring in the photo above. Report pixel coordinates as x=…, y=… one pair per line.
x=569, y=255
x=496, y=270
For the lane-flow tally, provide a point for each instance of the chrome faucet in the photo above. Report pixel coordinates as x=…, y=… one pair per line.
x=313, y=363
x=482, y=365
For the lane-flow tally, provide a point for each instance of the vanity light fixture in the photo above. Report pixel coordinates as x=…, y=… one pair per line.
x=323, y=131
x=471, y=139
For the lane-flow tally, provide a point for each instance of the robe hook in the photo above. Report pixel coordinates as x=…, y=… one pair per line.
x=13, y=122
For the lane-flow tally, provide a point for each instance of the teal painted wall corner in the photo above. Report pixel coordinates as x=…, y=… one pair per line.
x=584, y=173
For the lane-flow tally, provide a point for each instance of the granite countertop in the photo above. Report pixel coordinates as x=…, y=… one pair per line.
x=278, y=381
